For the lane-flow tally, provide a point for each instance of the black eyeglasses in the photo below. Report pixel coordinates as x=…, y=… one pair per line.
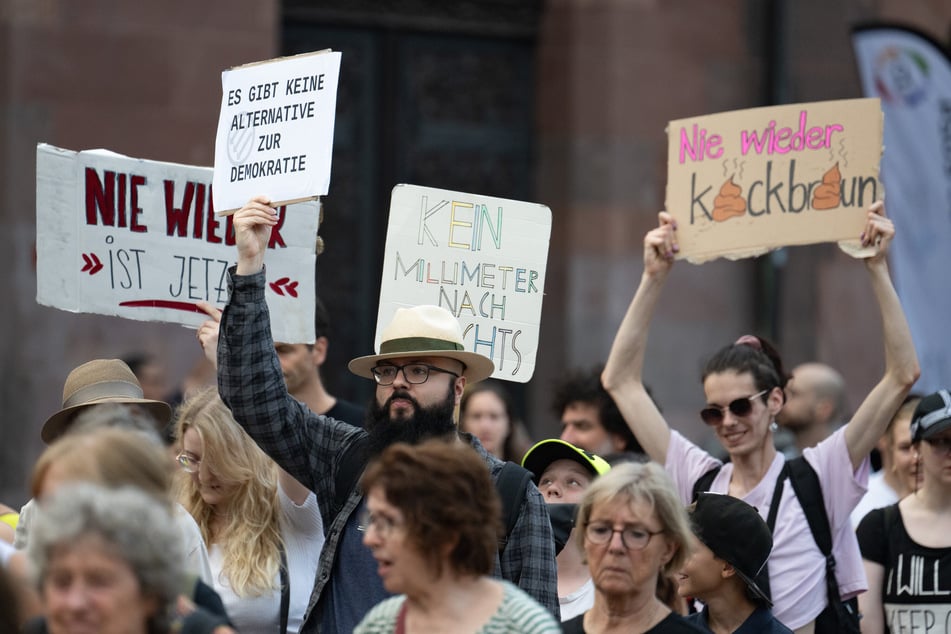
x=633, y=537
x=414, y=373
x=739, y=407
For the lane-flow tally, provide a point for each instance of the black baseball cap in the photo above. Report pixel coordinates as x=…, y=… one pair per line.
x=734, y=531
x=932, y=415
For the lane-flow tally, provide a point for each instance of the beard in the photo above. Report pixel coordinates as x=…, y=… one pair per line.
x=426, y=422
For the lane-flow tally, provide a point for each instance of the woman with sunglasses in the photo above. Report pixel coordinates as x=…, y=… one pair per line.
x=906, y=547
x=262, y=528
x=743, y=383
x=632, y=529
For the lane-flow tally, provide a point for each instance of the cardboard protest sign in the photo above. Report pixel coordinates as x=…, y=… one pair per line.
x=139, y=239
x=744, y=182
x=276, y=130
x=480, y=257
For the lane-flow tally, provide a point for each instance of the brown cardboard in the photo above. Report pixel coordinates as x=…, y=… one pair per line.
x=745, y=182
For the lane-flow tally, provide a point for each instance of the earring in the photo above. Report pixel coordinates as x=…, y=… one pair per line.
x=773, y=426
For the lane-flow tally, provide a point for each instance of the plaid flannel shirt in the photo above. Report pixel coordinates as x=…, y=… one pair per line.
x=308, y=446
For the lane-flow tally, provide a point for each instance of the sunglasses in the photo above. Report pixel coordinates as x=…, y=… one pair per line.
x=739, y=408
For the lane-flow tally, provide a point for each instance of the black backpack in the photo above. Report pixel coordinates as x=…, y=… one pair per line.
x=839, y=617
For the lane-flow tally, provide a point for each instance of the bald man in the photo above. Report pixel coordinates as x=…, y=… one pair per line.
x=815, y=404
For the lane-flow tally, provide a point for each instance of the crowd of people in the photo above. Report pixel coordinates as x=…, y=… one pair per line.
x=266, y=504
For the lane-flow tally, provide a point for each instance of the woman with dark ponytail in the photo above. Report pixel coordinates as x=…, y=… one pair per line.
x=743, y=384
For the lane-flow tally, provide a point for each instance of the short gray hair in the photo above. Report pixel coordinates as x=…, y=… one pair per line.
x=141, y=530
x=648, y=483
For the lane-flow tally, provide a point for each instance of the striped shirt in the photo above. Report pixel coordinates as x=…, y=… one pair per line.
x=517, y=614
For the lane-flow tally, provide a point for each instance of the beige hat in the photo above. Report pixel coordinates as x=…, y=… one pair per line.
x=425, y=331
x=101, y=381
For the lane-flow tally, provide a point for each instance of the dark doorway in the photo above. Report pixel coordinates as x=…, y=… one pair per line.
x=431, y=93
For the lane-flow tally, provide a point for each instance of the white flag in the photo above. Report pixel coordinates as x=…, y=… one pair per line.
x=911, y=74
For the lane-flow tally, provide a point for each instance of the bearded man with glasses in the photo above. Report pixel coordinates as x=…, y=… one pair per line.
x=420, y=374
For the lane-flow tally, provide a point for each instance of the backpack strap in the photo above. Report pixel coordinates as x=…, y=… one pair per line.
x=703, y=482
x=762, y=579
x=511, y=484
x=352, y=463
x=285, y=591
x=805, y=483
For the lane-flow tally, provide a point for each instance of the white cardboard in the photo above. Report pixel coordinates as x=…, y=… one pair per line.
x=481, y=257
x=143, y=264
x=276, y=129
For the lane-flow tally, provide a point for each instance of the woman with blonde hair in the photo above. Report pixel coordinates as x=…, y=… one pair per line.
x=632, y=529
x=263, y=529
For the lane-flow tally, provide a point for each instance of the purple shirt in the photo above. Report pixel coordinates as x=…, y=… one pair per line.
x=796, y=567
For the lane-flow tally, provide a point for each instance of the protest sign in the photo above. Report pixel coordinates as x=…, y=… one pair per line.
x=911, y=73
x=276, y=130
x=744, y=182
x=480, y=257
x=139, y=239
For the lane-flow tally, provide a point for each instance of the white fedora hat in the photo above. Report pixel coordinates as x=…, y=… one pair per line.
x=425, y=331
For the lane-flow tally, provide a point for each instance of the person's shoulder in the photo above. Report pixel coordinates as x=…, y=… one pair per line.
x=873, y=523
x=675, y=624
x=381, y=617
x=762, y=621
x=519, y=607
x=875, y=516
x=833, y=445
x=695, y=618
x=573, y=626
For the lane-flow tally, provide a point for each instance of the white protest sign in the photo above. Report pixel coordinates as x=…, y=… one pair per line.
x=276, y=130
x=139, y=239
x=480, y=257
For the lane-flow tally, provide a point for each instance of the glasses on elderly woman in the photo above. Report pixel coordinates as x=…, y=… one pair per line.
x=740, y=407
x=633, y=537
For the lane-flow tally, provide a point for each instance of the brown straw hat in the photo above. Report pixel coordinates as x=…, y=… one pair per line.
x=425, y=331
x=101, y=381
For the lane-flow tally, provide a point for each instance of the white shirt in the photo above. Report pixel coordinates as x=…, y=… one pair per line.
x=578, y=602
x=303, y=534
x=879, y=495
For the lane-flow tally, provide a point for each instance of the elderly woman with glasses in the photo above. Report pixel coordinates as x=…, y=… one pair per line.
x=906, y=547
x=109, y=560
x=743, y=385
x=433, y=524
x=632, y=529
x=263, y=529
